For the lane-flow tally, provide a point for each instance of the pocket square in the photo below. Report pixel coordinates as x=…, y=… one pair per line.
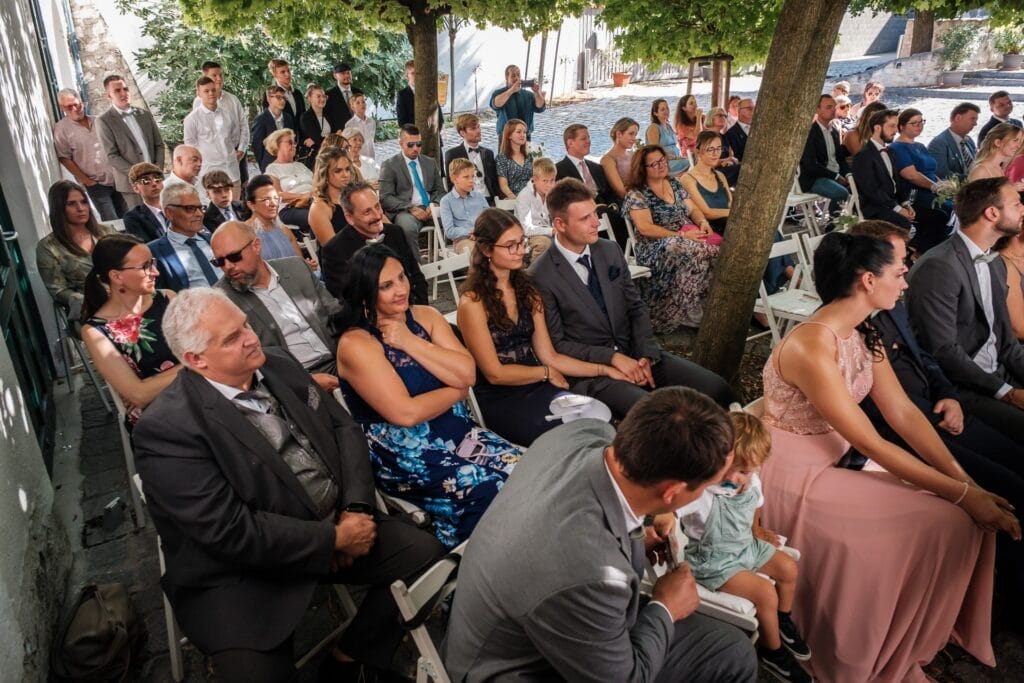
x=614, y=272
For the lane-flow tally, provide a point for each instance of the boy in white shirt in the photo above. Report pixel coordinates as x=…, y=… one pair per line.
x=363, y=123
x=531, y=209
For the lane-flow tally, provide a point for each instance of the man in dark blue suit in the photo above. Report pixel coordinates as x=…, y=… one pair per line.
x=1001, y=106
x=953, y=149
x=735, y=139
x=274, y=117
x=147, y=220
x=183, y=254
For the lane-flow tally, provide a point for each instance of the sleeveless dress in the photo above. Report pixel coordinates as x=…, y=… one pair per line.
x=434, y=464
x=516, y=412
x=716, y=199
x=140, y=340
x=275, y=243
x=667, y=139
x=680, y=267
x=889, y=573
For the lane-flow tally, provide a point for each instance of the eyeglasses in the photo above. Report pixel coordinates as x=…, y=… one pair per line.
x=656, y=164
x=514, y=247
x=273, y=199
x=712, y=150
x=234, y=256
x=143, y=267
x=842, y=106
x=921, y=122
x=417, y=143
x=146, y=181
x=191, y=208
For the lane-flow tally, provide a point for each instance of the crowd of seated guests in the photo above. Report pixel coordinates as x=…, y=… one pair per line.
x=930, y=395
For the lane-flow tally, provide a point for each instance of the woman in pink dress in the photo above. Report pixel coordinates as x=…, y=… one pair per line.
x=896, y=559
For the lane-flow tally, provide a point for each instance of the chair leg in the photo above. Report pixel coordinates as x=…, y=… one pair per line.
x=129, y=465
x=174, y=644
x=63, y=340
x=92, y=374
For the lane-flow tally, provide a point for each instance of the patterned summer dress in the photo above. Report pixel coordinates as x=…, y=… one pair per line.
x=515, y=175
x=424, y=464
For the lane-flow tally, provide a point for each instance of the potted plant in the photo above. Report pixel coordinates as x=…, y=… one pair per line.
x=620, y=78
x=957, y=48
x=1009, y=40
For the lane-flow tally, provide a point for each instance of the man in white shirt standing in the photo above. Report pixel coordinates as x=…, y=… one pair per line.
x=363, y=123
x=212, y=130
x=128, y=136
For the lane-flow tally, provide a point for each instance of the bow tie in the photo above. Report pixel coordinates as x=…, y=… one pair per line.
x=987, y=257
x=126, y=114
x=474, y=150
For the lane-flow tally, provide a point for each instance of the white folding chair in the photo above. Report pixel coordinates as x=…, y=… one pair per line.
x=853, y=203
x=437, y=247
x=129, y=460
x=636, y=271
x=505, y=205
x=446, y=267
x=795, y=303
x=415, y=602
x=806, y=203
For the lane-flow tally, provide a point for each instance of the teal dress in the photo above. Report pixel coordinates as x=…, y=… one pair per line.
x=667, y=140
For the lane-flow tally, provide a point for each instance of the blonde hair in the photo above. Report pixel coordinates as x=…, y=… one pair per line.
x=459, y=165
x=1001, y=131
x=709, y=120
x=274, y=139
x=544, y=167
x=752, y=443
x=328, y=157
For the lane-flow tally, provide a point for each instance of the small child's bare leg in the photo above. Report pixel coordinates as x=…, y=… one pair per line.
x=759, y=591
x=782, y=568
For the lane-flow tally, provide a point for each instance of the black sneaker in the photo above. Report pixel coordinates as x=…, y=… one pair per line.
x=791, y=639
x=780, y=664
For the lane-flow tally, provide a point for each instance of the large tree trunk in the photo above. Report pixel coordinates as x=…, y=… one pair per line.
x=802, y=44
x=422, y=35
x=924, y=28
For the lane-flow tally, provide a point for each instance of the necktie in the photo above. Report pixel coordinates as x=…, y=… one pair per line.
x=228, y=214
x=424, y=197
x=636, y=551
x=204, y=263
x=592, y=284
x=347, y=93
x=965, y=152
x=588, y=179
x=163, y=220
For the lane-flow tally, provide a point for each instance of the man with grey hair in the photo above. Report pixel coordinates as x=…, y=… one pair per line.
x=183, y=253
x=186, y=164
x=260, y=487
x=80, y=152
x=288, y=307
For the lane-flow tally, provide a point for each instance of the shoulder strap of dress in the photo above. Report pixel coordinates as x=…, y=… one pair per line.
x=778, y=354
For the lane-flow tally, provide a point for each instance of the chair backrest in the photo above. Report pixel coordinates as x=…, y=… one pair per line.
x=630, y=251
x=505, y=204
x=435, y=214
x=808, y=244
x=446, y=265
x=605, y=226
x=854, y=200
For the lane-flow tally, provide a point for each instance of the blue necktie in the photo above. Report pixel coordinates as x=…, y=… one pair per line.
x=592, y=284
x=424, y=197
x=204, y=263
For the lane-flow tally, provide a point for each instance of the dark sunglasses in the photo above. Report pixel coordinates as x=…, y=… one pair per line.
x=234, y=256
x=418, y=143
x=150, y=180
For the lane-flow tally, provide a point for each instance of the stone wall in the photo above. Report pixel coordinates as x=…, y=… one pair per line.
x=868, y=35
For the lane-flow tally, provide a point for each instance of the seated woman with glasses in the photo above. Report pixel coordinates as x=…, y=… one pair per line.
x=365, y=168
x=121, y=320
x=501, y=318
x=916, y=167
x=673, y=239
x=405, y=376
x=292, y=179
x=707, y=187
x=278, y=239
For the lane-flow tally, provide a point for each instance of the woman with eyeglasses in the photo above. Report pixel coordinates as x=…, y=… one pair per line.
x=64, y=257
x=660, y=134
x=121, y=320
x=707, y=187
x=515, y=166
x=717, y=120
x=277, y=238
x=873, y=91
x=501, y=318
x=292, y=180
x=843, y=121
x=917, y=168
x=405, y=376
x=673, y=238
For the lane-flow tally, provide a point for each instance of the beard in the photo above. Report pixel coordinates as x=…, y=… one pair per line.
x=243, y=283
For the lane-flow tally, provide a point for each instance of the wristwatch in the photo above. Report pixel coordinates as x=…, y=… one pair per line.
x=363, y=508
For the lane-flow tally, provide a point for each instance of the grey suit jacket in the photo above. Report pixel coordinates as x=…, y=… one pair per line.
x=946, y=152
x=547, y=590
x=121, y=148
x=396, y=182
x=944, y=301
x=310, y=295
x=577, y=326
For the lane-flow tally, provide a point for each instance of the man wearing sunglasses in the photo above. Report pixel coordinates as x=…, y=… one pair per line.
x=409, y=183
x=183, y=253
x=287, y=306
x=146, y=221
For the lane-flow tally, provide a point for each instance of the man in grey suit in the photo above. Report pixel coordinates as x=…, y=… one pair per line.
x=594, y=312
x=287, y=306
x=549, y=587
x=409, y=182
x=957, y=304
x=953, y=149
x=128, y=136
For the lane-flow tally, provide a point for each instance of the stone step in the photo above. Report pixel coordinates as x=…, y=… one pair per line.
x=992, y=81
x=996, y=73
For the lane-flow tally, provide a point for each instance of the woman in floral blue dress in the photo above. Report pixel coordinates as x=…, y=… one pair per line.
x=121, y=320
x=405, y=375
x=673, y=239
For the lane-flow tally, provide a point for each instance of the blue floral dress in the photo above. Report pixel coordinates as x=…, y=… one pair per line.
x=680, y=267
x=448, y=465
x=515, y=175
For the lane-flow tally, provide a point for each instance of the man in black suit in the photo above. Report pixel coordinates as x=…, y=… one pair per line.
x=275, y=117
x=282, y=73
x=594, y=312
x=1001, y=106
x=222, y=208
x=260, y=487
x=365, y=219
x=146, y=221
x=405, y=101
x=337, y=111
x=575, y=164
x=822, y=165
x=735, y=139
x=957, y=302
x=468, y=128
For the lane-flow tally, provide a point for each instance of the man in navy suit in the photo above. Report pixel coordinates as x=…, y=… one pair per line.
x=953, y=149
x=222, y=208
x=183, y=254
x=1001, y=106
x=147, y=220
x=274, y=117
x=735, y=138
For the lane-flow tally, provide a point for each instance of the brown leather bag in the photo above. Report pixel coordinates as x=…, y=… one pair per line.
x=99, y=639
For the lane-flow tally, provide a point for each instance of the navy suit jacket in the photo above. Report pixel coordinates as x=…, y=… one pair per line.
x=262, y=126
x=736, y=141
x=992, y=123
x=213, y=216
x=815, y=156
x=141, y=222
x=946, y=153
x=173, y=275
x=875, y=185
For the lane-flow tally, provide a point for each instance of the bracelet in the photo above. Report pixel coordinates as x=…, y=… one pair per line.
x=962, y=495
x=547, y=373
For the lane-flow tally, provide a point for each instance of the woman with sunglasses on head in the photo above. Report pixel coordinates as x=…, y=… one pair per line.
x=501, y=318
x=121, y=322
x=843, y=120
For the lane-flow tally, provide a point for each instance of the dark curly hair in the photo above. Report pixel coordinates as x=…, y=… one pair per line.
x=839, y=260
x=481, y=283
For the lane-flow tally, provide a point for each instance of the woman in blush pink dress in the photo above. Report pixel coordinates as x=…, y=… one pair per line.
x=896, y=560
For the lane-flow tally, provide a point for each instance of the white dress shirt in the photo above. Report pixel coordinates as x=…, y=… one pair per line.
x=475, y=155
x=214, y=133
x=299, y=337
x=128, y=116
x=830, y=148
x=233, y=109
x=572, y=257
x=987, y=357
x=196, y=276
x=532, y=212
